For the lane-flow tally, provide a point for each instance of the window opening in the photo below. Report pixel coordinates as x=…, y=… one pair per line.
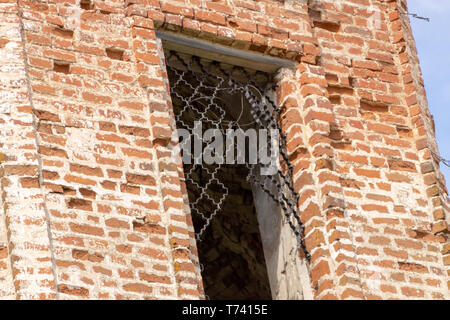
x=209, y=95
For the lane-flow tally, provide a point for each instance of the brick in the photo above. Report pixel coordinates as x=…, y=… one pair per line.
x=117, y=223
x=86, y=256
x=380, y=240
x=243, y=25
x=80, y=204
x=135, y=131
x=86, y=229
x=367, y=173
x=86, y=170
x=388, y=289
x=402, y=165
x=40, y=63
x=21, y=170
x=91, y=97
x=210, y=16
x=140, y=179
x=179, y=10
x=321, y=269
x=412, y=267
x=30, y=182
x=138, y=287
x=154, y=278
x=75, y=291
x=381, y=128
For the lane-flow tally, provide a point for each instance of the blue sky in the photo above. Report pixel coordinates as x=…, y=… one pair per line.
x=433, y=45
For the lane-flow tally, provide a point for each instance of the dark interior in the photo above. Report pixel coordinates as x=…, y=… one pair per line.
x=230, y=249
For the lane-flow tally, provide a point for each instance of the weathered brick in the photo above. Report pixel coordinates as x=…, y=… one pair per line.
x=98, y=130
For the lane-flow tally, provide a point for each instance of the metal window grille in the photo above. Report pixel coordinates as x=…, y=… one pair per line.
x=201, y=90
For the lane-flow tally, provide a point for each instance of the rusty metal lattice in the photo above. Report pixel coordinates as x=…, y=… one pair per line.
x=200, y=89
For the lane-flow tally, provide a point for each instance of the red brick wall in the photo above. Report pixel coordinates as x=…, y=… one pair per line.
x=92, y=202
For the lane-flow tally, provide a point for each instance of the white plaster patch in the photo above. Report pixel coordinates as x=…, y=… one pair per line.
x=5, y=107
x=74, y=274
x=12, y=32
x=11, y=67
x=403, y=196
x=372, y=277
x=376, y=18
x=81, y=143
x=31, y=26
x=73, y=20
x=7, y=95
x=227, y=32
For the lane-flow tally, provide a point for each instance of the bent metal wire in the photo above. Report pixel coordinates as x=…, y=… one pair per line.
x=199, y=87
